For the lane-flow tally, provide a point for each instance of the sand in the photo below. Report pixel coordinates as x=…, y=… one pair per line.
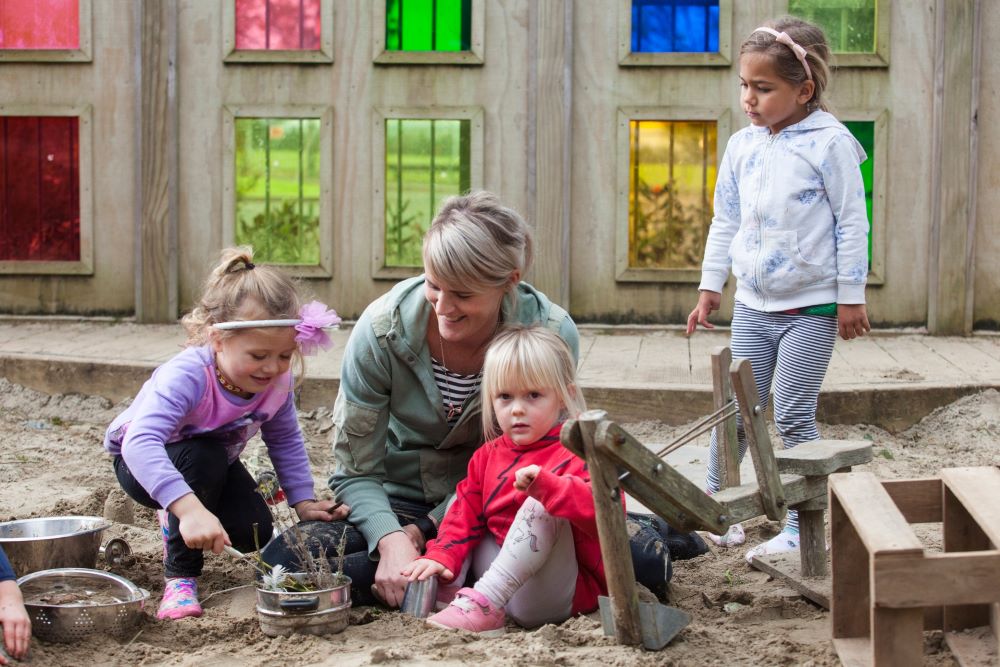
x=52, y=463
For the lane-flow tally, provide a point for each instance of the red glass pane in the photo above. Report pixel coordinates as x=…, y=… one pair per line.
x=39, y=24
x=39, y=188
x=268, y=25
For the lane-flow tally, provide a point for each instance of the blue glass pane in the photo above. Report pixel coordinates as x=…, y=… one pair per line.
x=675, y=26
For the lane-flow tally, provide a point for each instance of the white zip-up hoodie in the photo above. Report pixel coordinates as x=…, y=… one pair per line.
x=790, y=217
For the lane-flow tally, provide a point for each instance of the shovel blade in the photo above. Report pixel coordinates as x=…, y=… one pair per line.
x=658, y=623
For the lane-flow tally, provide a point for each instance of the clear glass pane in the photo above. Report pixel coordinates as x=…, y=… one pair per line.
x=864, y=132
x=39, y=188
x=850, y=25
x=428, y=25
x=675, y=26
x=278, y=25
x=39, y=24
x=672, y=169
x=278, y=187
x=425, y=161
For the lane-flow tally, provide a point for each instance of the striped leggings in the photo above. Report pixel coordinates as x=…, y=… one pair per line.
x=789, y=355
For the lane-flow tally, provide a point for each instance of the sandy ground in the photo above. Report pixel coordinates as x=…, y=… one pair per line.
x=52, y=463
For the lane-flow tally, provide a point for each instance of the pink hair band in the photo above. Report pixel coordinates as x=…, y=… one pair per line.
x=783, y=38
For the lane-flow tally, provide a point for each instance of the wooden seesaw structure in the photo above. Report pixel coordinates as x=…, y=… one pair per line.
x=794, y=478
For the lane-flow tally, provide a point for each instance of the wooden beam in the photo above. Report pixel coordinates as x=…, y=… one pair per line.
x=726, y=440
x=971, y=577
x=850, y=597
x=758, y=441
x=745, y=502
x=878, y=521
x=823, y=457
x=919, y=500
x=978, y=491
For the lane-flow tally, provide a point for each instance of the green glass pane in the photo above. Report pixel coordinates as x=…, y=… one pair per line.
x=277, y=188
x=428, y=25
x=850, y=25
x=425, y=162
x=864, y=132
x=672, y=170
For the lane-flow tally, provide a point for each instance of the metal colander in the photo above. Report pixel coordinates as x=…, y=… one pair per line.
x=68, y=604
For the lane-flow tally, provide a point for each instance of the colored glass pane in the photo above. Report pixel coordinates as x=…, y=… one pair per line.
x=40, y=188
x=849, y=24
x=428, y=25
x=864, y=132
x=278, y=25
x=425, y=161
x=278, y=188
x=672, y=170
x=40, y=24
x=675, y=26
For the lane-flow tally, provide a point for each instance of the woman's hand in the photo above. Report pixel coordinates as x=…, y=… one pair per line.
x=200, y=528
x=425, y=568
x=708, y=302
x=14, y=620
x=321, y=510
x=852, y=320
x=396, y=551
x=523, y=477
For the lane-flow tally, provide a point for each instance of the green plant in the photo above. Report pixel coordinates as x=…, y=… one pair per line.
x=403, y=235
x=666, y=232
x=282, y=235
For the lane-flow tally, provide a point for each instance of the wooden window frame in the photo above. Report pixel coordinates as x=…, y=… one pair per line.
x=880, y=172
x=81, y=54
x=474, y=56
x=322, y=55
x=85, y=265
x=624, y=272
x=474, y=115
x=878, y=58
x=326, y=194
x=720, y=58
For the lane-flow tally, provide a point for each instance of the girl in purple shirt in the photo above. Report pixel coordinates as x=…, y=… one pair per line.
x=176, y=448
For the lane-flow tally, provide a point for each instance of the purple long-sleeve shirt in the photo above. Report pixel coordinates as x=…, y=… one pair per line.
x=182, y=400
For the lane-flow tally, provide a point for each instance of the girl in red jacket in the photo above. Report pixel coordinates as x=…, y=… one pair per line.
x=523, y=518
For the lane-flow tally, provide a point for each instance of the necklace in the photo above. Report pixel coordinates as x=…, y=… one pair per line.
x=226, y=384
x=453, y=410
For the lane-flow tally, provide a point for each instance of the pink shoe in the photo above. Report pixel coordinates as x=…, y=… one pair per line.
x=472, y=611
x=180, y=599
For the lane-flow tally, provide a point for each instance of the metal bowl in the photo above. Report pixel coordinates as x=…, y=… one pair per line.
x=58, y=541
x=68, y=604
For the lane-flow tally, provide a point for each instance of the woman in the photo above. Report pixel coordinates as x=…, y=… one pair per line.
x=407, y=416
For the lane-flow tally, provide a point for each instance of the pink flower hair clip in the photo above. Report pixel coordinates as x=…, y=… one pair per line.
x=314, y=319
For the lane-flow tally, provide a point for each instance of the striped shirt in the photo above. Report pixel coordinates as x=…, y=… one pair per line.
x=454, y=388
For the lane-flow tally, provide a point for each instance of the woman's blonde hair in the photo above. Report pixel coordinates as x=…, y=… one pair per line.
x=234, y=281
x=528, y=357
x=786, y=63
x=477, y=242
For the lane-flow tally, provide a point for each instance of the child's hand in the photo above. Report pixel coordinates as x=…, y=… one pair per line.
x=200, y=528
x=852, y=320
x=523, y=477
x=425, y=568
x=321, y=510
x=14, y=620
x=708, y=302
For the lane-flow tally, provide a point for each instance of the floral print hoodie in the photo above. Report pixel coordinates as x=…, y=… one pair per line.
x=790, y=217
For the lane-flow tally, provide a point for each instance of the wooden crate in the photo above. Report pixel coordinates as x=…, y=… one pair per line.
x=888, y=589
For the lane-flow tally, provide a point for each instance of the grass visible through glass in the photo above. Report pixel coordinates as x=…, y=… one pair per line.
x=864, y=132
x=850, y=25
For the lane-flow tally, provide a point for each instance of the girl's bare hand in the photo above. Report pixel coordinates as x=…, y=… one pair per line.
x=523, y=477
x=708, y=302
x=322, y=510
x=424, y=568
x=852, y=320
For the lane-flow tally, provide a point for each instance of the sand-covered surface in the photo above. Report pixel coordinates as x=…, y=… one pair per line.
x=52, y=463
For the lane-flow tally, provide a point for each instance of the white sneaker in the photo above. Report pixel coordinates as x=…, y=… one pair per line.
x=733, y=537
x=781, y=543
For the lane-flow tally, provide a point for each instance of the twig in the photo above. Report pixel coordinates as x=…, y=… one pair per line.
x=135, y=637
x=227, y=590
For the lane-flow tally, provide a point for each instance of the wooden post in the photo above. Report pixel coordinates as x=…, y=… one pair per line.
x=758, y=441
x=613, y=534
x=725, y=433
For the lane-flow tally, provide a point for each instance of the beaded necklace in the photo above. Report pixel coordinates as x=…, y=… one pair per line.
x=226, y=384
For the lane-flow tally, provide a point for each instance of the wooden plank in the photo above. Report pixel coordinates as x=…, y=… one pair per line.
x=962, y=533
x=610, y=357
x=758, y=440
x=823, y=457
x=919, y=500
x=897, y=637
x=812, y=544
x=853, y=651
x=937, y=579
x=788, y=568
x=745, y=502
x=972, y=649
x=850, y=597
x=978, y=490
x=655, y=365
x=878, y=521
x=722, y=394
x=976, y=365
x=612, y=531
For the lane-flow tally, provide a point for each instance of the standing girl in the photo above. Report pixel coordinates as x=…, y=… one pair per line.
x=177, y=447
x=523, y=518
x=791, y=222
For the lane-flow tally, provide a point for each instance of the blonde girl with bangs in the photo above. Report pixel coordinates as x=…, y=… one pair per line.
x=523, y=518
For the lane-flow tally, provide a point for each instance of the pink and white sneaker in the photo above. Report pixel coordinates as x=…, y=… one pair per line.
x=471, y=611
x=180, y=599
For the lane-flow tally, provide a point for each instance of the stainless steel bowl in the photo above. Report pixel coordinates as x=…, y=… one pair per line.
x=58, y=541
x=92, y=602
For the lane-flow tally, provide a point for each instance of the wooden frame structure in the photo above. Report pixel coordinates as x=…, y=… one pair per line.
x=887, y=589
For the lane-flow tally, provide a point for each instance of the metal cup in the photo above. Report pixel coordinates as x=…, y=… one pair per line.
x=419, y=598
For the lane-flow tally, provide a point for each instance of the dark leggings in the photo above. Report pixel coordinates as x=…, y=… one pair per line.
x=226, y=490
x=652, y=542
